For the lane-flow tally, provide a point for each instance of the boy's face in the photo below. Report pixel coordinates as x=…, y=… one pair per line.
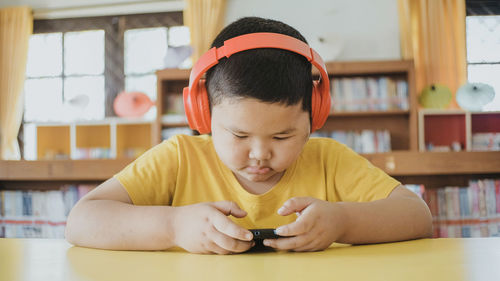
x=258, y=141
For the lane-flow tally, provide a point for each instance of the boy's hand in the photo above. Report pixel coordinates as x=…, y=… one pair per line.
x=205, y=228
x=319, y=224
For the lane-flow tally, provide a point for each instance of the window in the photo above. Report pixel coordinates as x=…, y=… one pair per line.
x=76, y=67
x=483, y=55
x=65, y=76
x=146, y=52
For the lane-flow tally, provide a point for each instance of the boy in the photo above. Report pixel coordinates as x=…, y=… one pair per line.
x=258, y=169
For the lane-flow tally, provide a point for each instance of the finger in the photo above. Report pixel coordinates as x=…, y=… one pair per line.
x=216, y=249
x=226, y=226
x=230, y=244
x=309, y=247
x=295, y=204
x=300, y=226
x=230, y=208
x=287, y=243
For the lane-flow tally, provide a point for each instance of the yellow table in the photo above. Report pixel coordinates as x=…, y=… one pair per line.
x=428, y=259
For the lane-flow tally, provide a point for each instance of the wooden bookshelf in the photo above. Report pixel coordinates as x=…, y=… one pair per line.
x=402, y=124
x=413, y=163
x=438, y=169
x=370, y=113
x=169, y=82
x=433, y=168
x=404, y=161
x=60, y=170
x=52, y=174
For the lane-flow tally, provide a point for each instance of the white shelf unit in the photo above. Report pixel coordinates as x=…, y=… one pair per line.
x=117, y=137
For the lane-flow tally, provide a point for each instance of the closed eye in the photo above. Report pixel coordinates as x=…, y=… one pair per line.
x=240, y=136
x=281, y=138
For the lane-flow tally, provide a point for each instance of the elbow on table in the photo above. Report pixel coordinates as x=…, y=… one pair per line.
x=73, y=231
x=427, y=229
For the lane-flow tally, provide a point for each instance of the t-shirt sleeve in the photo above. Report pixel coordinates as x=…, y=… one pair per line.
x=358, y=180
x=151, y=178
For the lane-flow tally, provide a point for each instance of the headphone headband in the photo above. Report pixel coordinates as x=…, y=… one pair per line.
x=257, y=40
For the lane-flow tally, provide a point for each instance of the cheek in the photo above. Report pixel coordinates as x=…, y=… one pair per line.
x=287, y=153
x=230, y=152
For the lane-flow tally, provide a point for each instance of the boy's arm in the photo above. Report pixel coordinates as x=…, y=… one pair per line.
x=106, y=218
x=400, y=216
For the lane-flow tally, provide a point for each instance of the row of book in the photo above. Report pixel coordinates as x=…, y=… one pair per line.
x=174, y=104
x=364, y=141
x=454, y=146
x=486, y=141
x=133, y=152
x=369, y=94
x=93, y=153
x=170, y=132
x=38, y=214
x=348, y=94
x=471, y=211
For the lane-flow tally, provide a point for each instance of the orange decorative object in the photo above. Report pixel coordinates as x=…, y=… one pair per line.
x=132, y=104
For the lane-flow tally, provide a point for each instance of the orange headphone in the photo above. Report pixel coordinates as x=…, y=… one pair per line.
x=195, y=96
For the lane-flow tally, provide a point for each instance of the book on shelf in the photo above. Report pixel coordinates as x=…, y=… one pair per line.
x=133, y=152
x=418, y=189
x=174, y=119
x=471, y=211
x=174, y=109
x=51, y=154
x=454, y=146
x=38, y=214
x=174, y=104
x=364, y=141
x=169, y=132
x=369, y=94
x=486, y=141
x=92, y=153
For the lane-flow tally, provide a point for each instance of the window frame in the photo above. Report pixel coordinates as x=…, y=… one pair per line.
x=114, y=28
x=470, y=13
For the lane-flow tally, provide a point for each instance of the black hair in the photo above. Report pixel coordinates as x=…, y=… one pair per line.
x=268, y=75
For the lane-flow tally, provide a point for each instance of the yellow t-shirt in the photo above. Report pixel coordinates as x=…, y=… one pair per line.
x=186, y=170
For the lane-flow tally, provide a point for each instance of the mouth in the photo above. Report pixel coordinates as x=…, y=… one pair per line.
x=257, y=170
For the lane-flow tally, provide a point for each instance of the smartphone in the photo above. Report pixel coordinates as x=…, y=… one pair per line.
x=258, y=237
x=264, y=233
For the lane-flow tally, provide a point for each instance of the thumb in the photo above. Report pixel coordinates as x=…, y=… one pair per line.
x=229, y=208
x=295, y=205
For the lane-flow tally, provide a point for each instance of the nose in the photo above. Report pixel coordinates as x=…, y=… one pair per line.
x=260, y=151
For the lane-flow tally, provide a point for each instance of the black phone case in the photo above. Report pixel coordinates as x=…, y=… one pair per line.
x=265, y=233
x=258, y=237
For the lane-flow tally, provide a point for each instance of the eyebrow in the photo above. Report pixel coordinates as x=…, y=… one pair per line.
x=284, y=132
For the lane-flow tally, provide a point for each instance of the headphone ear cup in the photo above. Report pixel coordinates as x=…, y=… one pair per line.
x=320, y=106
x=197, y=108
x=203, y=112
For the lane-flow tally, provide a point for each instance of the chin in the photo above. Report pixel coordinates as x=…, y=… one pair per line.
x=257, y=177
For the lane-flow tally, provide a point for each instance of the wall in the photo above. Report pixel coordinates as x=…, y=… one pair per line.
x=57, y=4
x=351, y=29
x=57, y=9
